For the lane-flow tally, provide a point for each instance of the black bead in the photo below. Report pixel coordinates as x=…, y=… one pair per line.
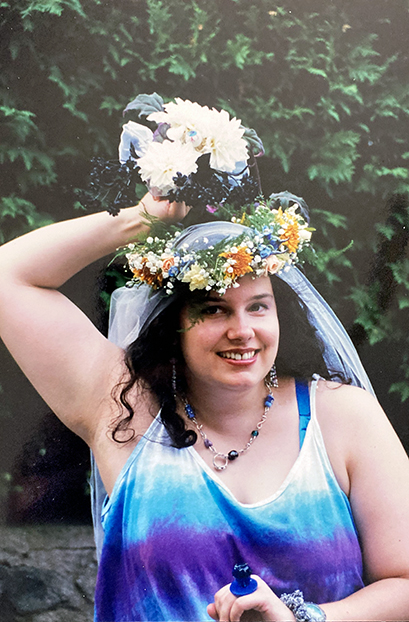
x=255, y=433
x=233, y=454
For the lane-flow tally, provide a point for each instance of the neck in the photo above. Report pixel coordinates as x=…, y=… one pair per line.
x=217, y=409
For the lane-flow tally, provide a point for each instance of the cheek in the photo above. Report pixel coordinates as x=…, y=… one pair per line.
x=191, y=342
x=198, y=341
x=272, y=335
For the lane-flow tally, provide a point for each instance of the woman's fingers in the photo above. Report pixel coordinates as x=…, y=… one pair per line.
x=224, y=600
x=211, y=610
x=252, y=607
x=260, y=606
x=163, y=209
x=177, y=211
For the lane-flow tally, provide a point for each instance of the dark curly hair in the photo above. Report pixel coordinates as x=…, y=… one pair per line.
x=149, y=359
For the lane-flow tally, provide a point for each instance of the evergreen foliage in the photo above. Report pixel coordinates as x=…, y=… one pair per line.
x=324, y=83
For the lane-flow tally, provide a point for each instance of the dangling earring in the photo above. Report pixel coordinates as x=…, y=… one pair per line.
x=174, y=379
x=272, y=377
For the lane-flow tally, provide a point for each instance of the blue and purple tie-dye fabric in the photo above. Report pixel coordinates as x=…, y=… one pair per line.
x=173, y=533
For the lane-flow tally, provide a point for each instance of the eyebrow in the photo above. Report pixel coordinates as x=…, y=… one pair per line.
x=253, y=298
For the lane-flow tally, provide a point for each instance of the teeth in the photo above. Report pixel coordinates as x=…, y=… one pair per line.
x=238, y=357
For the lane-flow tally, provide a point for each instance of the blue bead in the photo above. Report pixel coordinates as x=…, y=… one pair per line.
x=269, y=400
x=189, y=411
x=255, y=433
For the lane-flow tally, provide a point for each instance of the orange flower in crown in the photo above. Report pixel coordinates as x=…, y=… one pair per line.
x=144, y=274
x=290, y=229
x=238, y=262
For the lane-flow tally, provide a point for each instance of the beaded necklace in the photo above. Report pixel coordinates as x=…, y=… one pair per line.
x=221, y=460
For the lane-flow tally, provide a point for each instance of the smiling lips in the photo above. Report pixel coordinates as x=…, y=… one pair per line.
x=238, y=356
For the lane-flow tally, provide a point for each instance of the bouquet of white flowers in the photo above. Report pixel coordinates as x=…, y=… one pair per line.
x=194, y=154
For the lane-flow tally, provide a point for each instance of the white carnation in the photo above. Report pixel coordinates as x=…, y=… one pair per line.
x=225, y=142
x=305, y=235
x=179, y=113
x=208, y=131
x=189, y=123
x=162, y=161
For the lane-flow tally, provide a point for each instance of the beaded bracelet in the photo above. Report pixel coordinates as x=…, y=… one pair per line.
x=303, y=611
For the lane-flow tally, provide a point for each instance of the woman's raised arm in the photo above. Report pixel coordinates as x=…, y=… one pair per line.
x=69, y=362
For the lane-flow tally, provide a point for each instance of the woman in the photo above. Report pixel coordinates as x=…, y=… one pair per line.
x=330, y=520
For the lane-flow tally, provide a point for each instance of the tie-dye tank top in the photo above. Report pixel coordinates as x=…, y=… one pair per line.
x=173, y=532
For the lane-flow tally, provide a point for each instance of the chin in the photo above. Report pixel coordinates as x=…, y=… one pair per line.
x=240, y=381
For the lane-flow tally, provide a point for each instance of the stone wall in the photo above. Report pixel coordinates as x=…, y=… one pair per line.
x=47, y=573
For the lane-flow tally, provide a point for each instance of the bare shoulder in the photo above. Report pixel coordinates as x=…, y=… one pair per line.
x=350, y=413
x=349, y=402
x=354, y=427
x=348, y=391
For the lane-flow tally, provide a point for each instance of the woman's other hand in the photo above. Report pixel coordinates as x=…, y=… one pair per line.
x=260, y=606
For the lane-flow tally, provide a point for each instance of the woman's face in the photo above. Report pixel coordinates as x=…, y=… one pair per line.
x=235, y=341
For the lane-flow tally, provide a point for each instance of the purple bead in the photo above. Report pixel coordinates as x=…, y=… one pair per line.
x=207, y=443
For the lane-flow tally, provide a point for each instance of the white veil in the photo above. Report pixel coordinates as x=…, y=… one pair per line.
x=132, y=309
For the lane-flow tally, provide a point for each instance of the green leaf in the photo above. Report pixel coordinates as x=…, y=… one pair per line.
x=23, y=213
x=146, y=104
x=110, y=104
x=336, y=220
x=400, y=271
x=402, y=388
x=403, y=302
x=388, y=231
x=317, y=72
x=253, y=141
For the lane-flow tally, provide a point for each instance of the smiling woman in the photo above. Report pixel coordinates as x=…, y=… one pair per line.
x=219, y=341
x=236, y=340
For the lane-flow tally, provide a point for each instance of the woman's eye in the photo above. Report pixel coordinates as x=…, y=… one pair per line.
x=212, y=310
x=258, y=306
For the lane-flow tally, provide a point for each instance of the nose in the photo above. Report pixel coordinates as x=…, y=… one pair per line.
x=240, y=328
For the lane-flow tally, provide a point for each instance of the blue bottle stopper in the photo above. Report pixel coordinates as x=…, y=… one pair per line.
x=243, y=583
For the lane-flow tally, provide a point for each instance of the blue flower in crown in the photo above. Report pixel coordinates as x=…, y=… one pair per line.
x=173, y=271
x=272, y=241
x=265, y=251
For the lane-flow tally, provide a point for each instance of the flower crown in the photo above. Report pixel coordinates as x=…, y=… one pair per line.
x=268, y=239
